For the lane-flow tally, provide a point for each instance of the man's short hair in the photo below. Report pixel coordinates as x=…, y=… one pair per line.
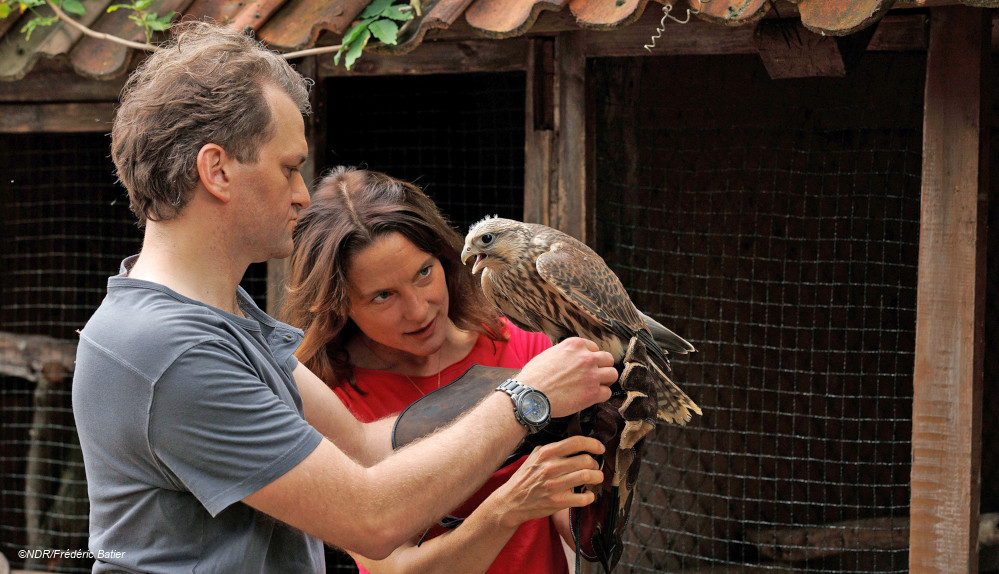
x=204, y=86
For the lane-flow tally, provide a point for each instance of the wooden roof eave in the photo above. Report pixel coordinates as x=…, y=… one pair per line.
x=296, y=24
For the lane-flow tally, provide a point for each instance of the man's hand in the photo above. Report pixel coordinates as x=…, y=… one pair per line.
x=546, y=482
x=573, y=374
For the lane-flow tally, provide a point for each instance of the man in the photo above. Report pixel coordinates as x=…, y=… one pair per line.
x=188, y=400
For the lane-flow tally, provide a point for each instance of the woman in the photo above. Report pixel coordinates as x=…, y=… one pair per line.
x=390, y=314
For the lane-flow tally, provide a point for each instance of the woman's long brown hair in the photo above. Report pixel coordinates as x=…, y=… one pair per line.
x=350, y=209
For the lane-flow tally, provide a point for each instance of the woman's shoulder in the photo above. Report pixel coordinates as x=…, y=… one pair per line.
x=518, y=348
x=526, y=339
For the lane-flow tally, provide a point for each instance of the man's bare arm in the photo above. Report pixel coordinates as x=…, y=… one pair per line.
x=372, y=510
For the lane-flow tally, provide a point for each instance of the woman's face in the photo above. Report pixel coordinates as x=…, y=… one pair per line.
x=398, y=296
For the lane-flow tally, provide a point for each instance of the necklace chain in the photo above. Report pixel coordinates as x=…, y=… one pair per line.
x=440, y=355
x=415, y=386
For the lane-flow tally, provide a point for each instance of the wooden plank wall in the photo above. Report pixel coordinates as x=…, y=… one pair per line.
x=947, y=393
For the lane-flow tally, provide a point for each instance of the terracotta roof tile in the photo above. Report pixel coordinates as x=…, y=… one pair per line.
x=435, y=16
x=235, y=13
x=99, y=58
x=297, y=24
x=841, y=17
x=603, y=14
x=505, y=18
x=8, y=22
x=732, y=12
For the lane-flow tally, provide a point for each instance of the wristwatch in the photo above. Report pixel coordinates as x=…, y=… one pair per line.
x=530, y=406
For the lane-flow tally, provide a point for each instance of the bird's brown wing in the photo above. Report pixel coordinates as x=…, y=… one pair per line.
x=585, y=280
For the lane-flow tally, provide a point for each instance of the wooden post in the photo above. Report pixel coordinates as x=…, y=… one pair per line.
x=539, y=138
x=315, y=133
x=570, y=207
x=947, y=393
x=557, y=192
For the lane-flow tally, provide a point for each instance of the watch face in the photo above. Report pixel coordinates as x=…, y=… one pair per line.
x=534, y=407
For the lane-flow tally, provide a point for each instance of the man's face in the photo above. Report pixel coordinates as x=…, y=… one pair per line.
x=272, y=189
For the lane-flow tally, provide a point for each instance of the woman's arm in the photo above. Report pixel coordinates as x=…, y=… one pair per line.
x=367, y=443
x=564, y=527
x=541, y=486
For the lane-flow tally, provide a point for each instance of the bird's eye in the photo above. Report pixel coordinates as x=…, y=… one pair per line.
x=487, y=239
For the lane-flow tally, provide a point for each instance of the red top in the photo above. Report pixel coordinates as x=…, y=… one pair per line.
x=535, y=548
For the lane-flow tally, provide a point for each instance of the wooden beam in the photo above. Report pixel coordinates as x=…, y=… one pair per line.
x=436, y=58
x=696, y=37
x=68, y=118
x=947, y=378
x=539, y=135
x=557, y=191
x=789, y=50
x=36, y=87
x=36, y=357
x=894, y=33
x=885, y=533
x=570, y=207
x=809, y=543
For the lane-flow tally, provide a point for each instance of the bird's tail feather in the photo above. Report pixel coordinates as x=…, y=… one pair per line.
x=668, y=340
x=674, y=405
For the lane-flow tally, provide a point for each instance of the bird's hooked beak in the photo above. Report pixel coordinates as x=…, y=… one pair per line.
x=467, y=254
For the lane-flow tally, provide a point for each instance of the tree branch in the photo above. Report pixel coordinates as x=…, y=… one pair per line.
x=152, y=48
x=99, y=35
x=311, y=52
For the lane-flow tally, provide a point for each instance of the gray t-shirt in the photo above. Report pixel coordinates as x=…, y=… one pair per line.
x=183, y=410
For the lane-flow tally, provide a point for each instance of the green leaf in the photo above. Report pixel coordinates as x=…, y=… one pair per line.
x=141, y=4
x=35, y=23
x=74, y=7
x=160, y=23
x=355, y=31
x=117, y=6
x=385, y=30
x=4, y=10
x=355, y=49
x=395, y=13
x=376, y=8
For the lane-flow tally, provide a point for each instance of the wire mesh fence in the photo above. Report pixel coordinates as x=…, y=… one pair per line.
x=459, y=137
x=773, y=224
x=779, y=235
x=67, y=226
x=65, y=229
x=990, y=387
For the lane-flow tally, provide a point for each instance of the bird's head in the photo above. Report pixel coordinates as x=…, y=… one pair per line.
x=494, y=242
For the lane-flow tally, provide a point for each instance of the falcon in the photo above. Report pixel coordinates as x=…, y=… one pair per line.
x=546, y=281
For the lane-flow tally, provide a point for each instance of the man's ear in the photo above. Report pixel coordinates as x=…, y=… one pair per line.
x=212, y=164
